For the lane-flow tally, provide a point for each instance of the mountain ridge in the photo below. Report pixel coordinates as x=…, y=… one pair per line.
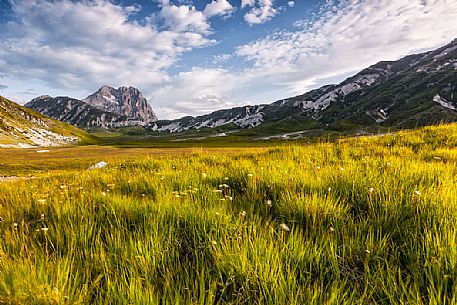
x=106, y=108
x=418, y=89
x=415, y=90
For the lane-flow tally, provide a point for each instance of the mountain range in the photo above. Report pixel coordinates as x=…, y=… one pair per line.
x=416, y=90
x=107, y=108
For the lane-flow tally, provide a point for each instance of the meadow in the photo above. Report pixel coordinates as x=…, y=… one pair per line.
x=369, y=220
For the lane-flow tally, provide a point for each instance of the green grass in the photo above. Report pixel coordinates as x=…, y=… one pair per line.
x=371, y=221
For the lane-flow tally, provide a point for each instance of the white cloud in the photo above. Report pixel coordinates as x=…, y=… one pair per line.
x=184, y=19
x=261, y=11
x=198, y=91
x=349, y=36
x=291, y=3
x=218, y=8
x=71, y=45
x=221, y=58
x=247, y=3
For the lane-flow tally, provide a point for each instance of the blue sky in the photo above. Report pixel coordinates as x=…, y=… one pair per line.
x=191, y=57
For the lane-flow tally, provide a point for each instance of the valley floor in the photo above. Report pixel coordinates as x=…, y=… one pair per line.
x=356, y=221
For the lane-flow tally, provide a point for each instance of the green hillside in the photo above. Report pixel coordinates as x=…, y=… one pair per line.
x=22, y=125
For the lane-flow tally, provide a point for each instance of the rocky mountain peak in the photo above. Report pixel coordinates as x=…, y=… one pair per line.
x=106, y=108
x=106, y=90
x=125, y=101
x=42, y=97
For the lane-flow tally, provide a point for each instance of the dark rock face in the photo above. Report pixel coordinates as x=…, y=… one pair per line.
x=106, y=108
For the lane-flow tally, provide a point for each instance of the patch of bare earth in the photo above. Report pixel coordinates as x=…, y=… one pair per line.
x=11, y=178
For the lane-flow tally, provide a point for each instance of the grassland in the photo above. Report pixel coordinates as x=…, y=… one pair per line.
x=357, y=221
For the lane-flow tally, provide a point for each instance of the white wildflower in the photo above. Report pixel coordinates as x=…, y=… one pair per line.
x=284, y=227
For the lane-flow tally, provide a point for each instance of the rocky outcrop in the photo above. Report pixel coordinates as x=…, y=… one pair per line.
x=124, y=101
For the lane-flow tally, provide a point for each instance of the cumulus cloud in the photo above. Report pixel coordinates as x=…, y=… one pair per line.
x=218, y=8
x=247, y=3
x=184, y=19
x=70, y=44
x=261, y=11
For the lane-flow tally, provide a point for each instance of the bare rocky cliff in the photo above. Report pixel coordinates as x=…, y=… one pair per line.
x=124, y=101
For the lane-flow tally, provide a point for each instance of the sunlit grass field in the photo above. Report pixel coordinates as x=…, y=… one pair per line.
x=356, y=221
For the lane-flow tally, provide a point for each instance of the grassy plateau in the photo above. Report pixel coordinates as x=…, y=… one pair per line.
x=355, y=221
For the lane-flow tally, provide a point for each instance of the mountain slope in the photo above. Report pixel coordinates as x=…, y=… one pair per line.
x=415, y=90
x=106, y=108
x=22, y=127
x=76, y=112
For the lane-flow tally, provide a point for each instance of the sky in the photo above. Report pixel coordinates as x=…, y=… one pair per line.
x=191, y=57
